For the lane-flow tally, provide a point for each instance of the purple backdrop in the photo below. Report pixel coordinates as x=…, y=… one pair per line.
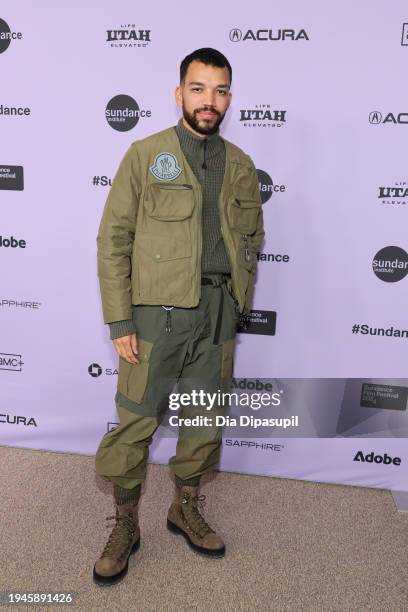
x=319, y=104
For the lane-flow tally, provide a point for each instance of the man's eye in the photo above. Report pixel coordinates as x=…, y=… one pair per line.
x=196, y=88
x=222, y=92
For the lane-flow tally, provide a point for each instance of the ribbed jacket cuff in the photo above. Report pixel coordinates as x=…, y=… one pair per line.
x=121, y=328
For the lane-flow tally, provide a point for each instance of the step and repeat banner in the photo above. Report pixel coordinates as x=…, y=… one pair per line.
x=320, y=105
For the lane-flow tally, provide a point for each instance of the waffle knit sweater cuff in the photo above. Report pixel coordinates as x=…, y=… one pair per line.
x=189, y=482
x=122, y=328
x=126, y=496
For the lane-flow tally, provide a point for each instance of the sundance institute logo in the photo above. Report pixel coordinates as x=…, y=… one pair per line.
x=390, y=264
x=6, y=36
x=267, y=187
x=123, y=113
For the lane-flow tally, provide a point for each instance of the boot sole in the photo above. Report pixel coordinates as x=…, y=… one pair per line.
x=109, y=580
x=208, y=552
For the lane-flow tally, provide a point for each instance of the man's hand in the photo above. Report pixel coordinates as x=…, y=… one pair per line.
x=126, y=347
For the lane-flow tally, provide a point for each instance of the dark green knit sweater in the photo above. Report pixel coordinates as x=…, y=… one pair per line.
x=206, y=157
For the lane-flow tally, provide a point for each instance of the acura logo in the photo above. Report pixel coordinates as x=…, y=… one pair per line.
x=375, y=117
x=235, y=35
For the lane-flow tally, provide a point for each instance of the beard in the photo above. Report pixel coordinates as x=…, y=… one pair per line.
x=206, y=128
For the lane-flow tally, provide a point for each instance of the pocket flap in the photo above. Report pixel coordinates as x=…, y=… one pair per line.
x=170, y=202
x=245, y=203
x=133, y=377
x=243, y=214
x=144, y=349
x=162, y=248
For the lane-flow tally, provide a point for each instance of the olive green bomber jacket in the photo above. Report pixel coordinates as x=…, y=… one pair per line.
x=149, y=239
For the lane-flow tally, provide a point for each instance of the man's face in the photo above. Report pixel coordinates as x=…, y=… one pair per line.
x=204, y=97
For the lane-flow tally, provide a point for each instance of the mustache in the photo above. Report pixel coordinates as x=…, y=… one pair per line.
x=203, y=109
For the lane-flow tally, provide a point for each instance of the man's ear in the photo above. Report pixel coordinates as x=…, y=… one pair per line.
x=178, y=96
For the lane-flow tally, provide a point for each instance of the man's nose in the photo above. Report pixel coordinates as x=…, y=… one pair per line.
x=209, y=98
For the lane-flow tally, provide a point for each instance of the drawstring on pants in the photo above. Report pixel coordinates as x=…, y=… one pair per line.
x=168, y=309
x=217, y=282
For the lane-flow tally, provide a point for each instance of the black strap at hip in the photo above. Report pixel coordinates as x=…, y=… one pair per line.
x=217, y=285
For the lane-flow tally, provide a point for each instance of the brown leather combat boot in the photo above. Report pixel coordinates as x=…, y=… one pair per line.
x=124, y=539
x=184, y=518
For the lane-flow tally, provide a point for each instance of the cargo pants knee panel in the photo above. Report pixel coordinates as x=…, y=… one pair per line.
x=133, y=377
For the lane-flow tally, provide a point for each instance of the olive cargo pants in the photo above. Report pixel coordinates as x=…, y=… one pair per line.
x=193, y=346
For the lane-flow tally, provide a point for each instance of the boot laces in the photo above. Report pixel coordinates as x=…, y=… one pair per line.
x=192, y=513
x=121, y=535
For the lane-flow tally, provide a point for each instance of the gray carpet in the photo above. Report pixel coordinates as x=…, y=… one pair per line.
x=291, y=545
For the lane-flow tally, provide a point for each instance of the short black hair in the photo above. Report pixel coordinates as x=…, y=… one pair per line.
x=209, y=57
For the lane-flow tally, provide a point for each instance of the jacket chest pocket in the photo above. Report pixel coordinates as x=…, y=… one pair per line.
x=243, y=215
x=163, y=248
x=168, y=203
x=243, y=218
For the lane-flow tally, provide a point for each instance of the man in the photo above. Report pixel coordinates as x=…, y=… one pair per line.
x=177, y=253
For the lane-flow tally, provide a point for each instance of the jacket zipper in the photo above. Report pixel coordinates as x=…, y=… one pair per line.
x=247, y=255
x=204, y=164
x=200, y=239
